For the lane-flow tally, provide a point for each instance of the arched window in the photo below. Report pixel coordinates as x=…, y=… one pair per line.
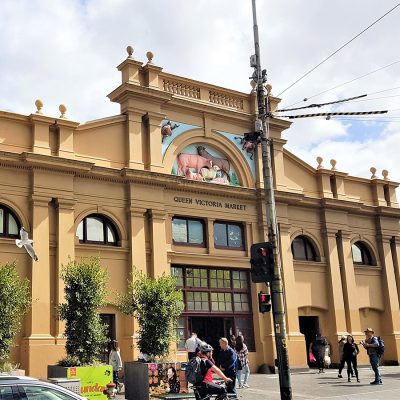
x=361, y=254
x=9, y=224
x=97, y=229
x=303, y=249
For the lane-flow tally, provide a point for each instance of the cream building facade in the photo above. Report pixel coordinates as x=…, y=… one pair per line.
x=169, y=186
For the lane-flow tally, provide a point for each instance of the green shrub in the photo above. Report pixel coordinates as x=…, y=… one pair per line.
x=15, y=302
x=85, y=291
x=157, y=305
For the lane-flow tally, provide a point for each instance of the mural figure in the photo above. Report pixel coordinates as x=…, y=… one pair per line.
x=248, y=145
x=166, y=130
x=222, y=163
x=197, y=163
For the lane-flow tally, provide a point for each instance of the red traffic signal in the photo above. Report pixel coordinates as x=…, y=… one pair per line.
x=264, y=302
x=262, y=262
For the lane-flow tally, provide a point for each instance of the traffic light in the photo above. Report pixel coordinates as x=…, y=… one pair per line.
x=264, y=302
x=262, y=262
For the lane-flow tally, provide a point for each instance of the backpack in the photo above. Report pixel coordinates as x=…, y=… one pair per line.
x=193, y=372
x=381, y=348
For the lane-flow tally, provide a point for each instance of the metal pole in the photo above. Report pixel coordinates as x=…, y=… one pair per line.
x=277, y=296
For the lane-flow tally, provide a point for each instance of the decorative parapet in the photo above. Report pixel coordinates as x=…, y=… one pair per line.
x=225, y=100
x=180, y=88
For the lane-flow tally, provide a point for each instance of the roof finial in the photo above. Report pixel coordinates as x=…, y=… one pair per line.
x=319, y=161
x=149, y=56
x=333, y=163
x=373, y=170
x=385, y=174
x=39, y=106
x=63, y=110
x=129, y=50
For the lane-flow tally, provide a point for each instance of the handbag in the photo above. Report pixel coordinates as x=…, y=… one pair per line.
x=311, y=357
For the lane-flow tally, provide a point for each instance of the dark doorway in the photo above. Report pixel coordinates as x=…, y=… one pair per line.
x=309, y=327
x=211, y=329
x=109, y=321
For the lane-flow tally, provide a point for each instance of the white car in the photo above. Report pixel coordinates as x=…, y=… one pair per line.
x=27, y=388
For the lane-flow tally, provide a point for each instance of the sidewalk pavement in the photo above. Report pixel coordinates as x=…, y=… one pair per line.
x=310, y=385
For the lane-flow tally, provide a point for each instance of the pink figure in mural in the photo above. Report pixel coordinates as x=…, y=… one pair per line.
x=248, y=145
x=167, y=129
x=220, y=162
x=195, y=161
x=194, y=176
x=221, y=181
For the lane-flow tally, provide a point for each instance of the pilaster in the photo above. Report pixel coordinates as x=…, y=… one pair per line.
x=66, y=138
x=210, y=235
x=153, y=141
x=158, y=237
x=352, y=308
x=135, y=143
x=41, y=134
x=138, y=238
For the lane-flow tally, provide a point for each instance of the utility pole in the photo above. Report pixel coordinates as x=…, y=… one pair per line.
x=276, y=287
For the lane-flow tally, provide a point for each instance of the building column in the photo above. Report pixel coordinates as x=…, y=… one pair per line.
x=39, y=329
x=395, y=247
x=154, y=141
x=158, y=243
x=391, y=313
x=138, y=238
x=135, y=153
x=65, y=253
x=210, y=235
x=296, y=340
x=337, y=307
x=352, y=309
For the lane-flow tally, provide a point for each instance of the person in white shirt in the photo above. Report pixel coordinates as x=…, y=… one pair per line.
x=114, y=359
x=192, y=345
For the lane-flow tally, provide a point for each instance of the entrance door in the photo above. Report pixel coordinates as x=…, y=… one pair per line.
x=109, y=321
x=211, y=329
x=309, y=327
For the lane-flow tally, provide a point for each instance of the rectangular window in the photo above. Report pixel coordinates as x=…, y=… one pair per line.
x=188, y=231
x=178, y=274
x=228, y=235
x=239, y=279
x=180, y=332
x=241, y=302
x=220, y=278
x=196, y=277
x=221, y=301
x=197, y=301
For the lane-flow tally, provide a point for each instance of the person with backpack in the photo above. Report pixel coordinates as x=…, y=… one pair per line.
x=374, y=351
x=199, y=372
x=243, y=362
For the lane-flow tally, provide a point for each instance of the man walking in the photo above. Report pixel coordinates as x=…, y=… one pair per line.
x=192, y=345
x=371, y=344
x=227, y=362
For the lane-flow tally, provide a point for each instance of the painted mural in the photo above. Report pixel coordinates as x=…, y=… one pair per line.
x=167, y=378
x=200, y=162
x=170, y=130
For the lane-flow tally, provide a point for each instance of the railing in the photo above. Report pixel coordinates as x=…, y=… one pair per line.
x=181, y=89
x=225, y=100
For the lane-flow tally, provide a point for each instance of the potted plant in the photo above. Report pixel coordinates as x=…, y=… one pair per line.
x=15, y=302
x=85, y=292
x=156, y=304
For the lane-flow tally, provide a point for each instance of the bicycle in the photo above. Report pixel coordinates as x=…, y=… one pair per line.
x=225, y=396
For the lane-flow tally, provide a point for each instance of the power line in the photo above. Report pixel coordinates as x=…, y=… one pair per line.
x=375, y=98
x=345, y=83
x=329, y=114
x=340, y=48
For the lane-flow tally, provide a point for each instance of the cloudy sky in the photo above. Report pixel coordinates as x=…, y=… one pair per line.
x=66, y=52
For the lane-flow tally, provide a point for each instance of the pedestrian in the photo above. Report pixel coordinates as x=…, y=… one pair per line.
x=341, y=343
x=317, y=347
x=192, y=345
x=174, y=385
x=227, y=363
x=350, y=353
x=243, y=364
x=114, y=359
x=371, y=344
x=232, y=341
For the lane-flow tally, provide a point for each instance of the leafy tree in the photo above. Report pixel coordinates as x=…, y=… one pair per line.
x=15, y=302
x=157, y=305
x=85, y=291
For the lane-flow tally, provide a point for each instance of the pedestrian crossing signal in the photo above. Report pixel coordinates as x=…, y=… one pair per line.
x=264, y=302
x=262, y=262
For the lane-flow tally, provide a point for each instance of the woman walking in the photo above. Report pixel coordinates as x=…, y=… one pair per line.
x=242, y=352
x=350, y=352
x=115, y=361
x=317, y=347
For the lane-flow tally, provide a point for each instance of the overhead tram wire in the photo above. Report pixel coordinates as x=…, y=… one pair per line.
x=345, y=83
x=331, y=114
x=340, y=48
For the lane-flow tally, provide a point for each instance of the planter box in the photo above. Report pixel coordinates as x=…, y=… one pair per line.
x=14, y=372
x=144, y=379
x=93, y=379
